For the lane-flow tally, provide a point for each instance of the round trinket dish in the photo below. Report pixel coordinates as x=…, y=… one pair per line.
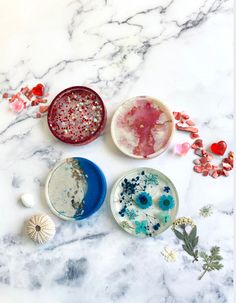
x=75, y=188
x=144, y=202
x=77, y=115
x=142, y=127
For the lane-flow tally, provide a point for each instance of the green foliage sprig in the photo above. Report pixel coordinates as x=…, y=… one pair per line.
x=190, y=241
x=210, y=261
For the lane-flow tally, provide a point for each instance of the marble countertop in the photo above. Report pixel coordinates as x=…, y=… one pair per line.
x=178, y=51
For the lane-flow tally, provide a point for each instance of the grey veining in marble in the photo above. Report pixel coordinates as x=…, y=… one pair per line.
x=179, y=51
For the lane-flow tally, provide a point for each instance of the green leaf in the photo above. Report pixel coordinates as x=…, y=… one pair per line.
x=219, y=266
x=212, y=261
x=185, y=234
x=189, y=246
x=187, y=242
x=215, y=263
x=178, y=234
x=195, y=242
x=192, y=234
x=215, y=250
x=202, y=254
x=189, y=251
x=217, y=258
x=196, y=253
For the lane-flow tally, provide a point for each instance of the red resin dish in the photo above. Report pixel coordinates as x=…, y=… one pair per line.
x=77, y=115
x=142, y=127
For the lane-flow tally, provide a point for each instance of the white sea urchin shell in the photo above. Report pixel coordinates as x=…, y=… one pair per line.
x=40, y=228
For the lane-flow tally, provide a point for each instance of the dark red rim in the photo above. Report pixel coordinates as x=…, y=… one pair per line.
x=102, y=124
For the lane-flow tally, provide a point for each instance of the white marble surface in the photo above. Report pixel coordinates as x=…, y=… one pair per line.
x=179, y=51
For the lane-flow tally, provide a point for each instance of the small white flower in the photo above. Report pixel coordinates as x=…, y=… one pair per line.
x=170, y=255
x=206, y=211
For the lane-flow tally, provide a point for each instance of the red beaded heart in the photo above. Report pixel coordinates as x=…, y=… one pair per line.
x=38, y=90
x=219, y=148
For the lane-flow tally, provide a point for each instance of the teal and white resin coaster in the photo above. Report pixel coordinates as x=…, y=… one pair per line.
x=144, y=202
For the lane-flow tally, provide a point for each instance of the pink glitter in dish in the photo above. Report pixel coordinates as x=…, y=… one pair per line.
x=142, y=127
x=77, y=115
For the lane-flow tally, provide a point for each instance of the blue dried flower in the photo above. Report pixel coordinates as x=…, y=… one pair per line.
x=164, y=217
x=122, y=211
x=128, y=187
x=156, y=226
x=141, y=227
x=166, y=189
x=131, y=214
x=143, y=200
x=152, y=179
x=166, y=202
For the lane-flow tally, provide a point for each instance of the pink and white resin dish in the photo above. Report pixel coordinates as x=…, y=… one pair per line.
x=142, y=127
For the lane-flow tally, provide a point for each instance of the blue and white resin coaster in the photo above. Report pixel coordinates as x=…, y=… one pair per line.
x=144, y=202
x=75, y=189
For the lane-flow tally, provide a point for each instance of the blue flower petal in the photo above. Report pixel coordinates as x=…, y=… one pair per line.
x=141, y=227
x=166, y=202
x=166, y=189
x=164, y=217
x=156, y=226
x=143, y=200
x=131, y=214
